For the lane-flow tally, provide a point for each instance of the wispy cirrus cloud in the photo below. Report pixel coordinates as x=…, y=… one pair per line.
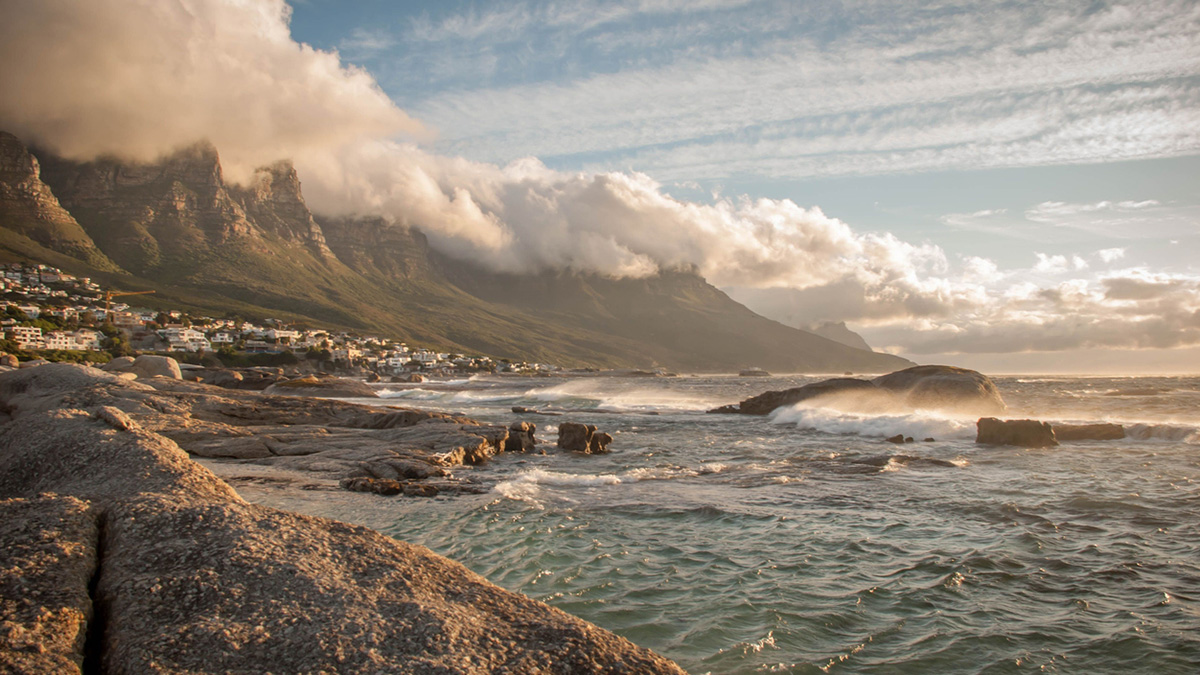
x=1060, y=221
x=858, y=89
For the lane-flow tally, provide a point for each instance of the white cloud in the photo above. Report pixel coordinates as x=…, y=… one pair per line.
x=136, y=77
x=140, y=78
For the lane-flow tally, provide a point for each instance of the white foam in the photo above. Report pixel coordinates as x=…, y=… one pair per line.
x=1178, y=433
x=919, y=425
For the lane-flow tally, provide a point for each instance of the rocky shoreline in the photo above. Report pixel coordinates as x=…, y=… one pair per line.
x=121, y=554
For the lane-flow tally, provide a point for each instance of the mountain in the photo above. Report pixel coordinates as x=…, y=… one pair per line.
x=176, y=225
x=32, y=216
x=838, y=332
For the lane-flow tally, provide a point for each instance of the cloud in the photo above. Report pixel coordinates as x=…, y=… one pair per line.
x=782, y=90
x=140, y=78
x=137, y=77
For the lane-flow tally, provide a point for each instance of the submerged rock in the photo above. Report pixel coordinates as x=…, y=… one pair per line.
x=1022, y=433
x=1089, y=432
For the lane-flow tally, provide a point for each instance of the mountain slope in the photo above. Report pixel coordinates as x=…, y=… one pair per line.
x=176, y=225
x=29, y=208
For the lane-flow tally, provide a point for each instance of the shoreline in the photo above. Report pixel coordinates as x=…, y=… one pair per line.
x=239, y=586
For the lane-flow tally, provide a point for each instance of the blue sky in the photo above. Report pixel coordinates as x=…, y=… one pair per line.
x=1004, y=185
x=1000, y=130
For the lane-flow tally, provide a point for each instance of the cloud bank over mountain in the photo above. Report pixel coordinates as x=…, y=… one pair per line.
x=139, y=78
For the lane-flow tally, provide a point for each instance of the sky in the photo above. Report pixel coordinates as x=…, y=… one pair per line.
x=1009, y=186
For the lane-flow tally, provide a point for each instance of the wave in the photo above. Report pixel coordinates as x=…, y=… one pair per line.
x=919, y=425
x=1178, y=433
x=526, y=485
x=583, y=395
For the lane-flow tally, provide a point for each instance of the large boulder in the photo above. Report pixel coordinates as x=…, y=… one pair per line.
x=945, y=388
x=222, y=377
x=9, y=361
x=150, y=365
x=121, y=364
x=764, y=403
x=1022, y=433
x=327, y=387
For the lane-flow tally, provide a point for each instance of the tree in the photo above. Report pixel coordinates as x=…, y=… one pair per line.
x=117, y=345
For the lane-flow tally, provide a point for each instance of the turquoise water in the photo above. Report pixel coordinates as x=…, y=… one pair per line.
x=804, y=543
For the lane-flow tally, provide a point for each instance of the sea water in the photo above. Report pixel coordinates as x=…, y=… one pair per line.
x=804, y=542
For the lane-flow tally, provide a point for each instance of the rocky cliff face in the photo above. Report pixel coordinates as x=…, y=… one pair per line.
x=29, y=207
x=838, y=332
x=376, y=248
x=168, y=214
x=275, y=204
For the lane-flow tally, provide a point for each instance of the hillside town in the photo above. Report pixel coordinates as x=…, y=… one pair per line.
x=47, y=313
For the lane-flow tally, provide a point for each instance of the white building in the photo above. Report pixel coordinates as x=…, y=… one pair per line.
x=27, y=337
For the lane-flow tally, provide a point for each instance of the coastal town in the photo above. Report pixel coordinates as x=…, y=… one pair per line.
x=49, y=314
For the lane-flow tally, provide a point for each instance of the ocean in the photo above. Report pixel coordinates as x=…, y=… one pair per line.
x=805, y=543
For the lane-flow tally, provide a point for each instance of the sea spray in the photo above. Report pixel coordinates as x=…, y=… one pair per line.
x=918, y=425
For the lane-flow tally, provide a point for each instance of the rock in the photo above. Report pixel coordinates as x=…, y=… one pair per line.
x=194, y=579
x=765, y=403
x=598, y=443
x=1089, y=432
x=897, y=439
x=327, y=387
x=520, y=437
x=929, y=440
x=373, y=377
x=582, y=438
x=222, y=377
x=9, y=361
x=118, y=365
x=149, y=365
x=419, y=490
x=380, y=486
x=944, y=388
x=574, y=437
x=414, y=378
x=1022, y=433
x=33, y=363
x=47, y=559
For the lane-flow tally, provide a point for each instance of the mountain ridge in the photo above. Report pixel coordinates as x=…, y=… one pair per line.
x=177, y=225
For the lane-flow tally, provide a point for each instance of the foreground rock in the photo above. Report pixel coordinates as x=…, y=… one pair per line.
x=188, y=577
x=46, y=563
x=330, y=387
x=311, y=441
x=1021, y=433
x=931, y=387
